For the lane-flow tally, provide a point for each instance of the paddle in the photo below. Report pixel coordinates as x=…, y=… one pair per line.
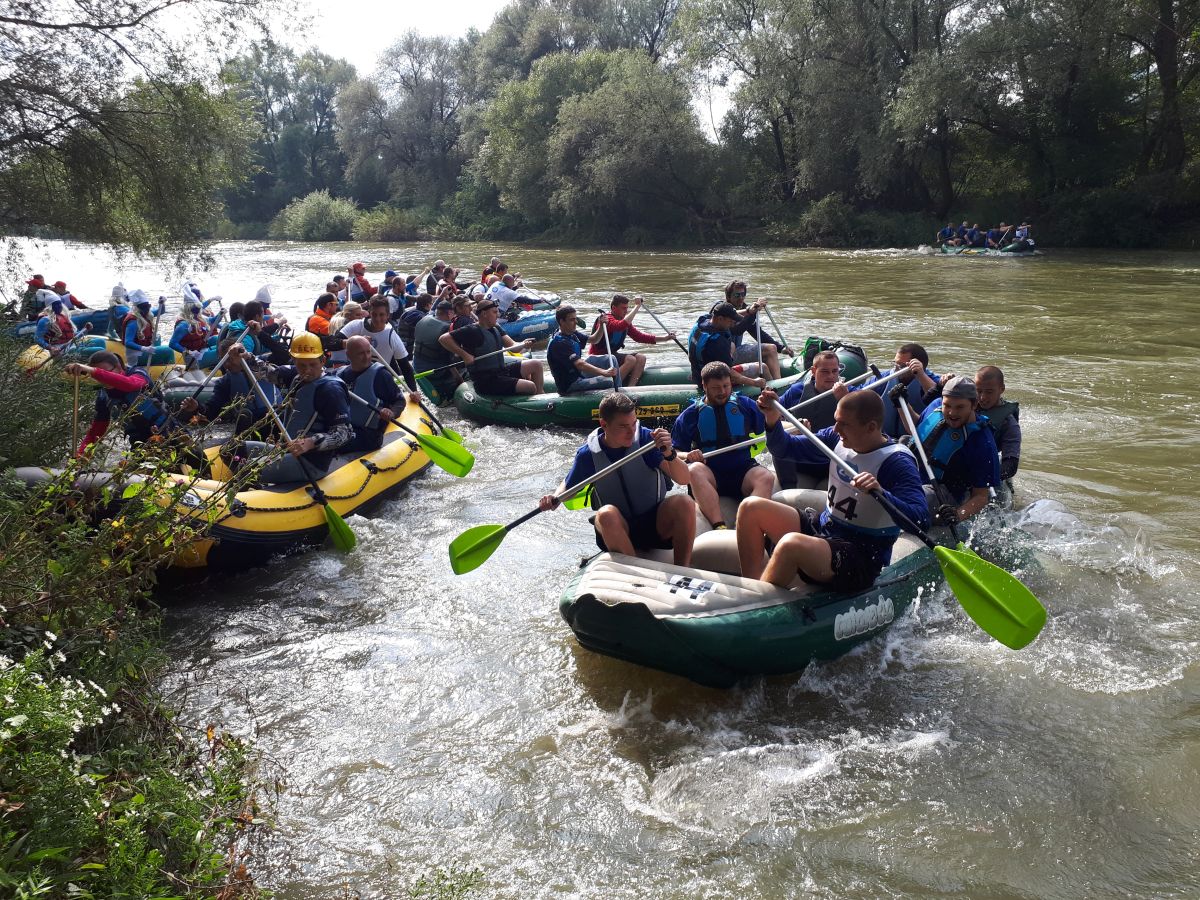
x=758, y=338
x=472, y=548
x=452, y=457
x=992, y=597
x=75, y=417
x=339, y=531
x=212, y=372
x=775, y=325
x=663, y=327
x=611, y=356
x=460, y=362
x=67, y=346
x=821, y=396
x=448, y=432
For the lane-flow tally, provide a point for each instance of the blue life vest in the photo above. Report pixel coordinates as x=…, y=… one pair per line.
x=302, y=418
x=721, y=430
x=941, y=441
x=701, y=333
x=634, y=489
x=363, y=417
x=239, y=386
x=946, y=234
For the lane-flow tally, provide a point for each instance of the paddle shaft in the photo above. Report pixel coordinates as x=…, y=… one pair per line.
x=608, y=347
x=775, y=325
x=747, y=443
x=460, y=362
x=892, y=510
x=378, y=410
x=662, y=326
x=318, y=494
x=212, y=372
x=67, y=346
x=75, y=418
x=906, y=413
x=425, y=409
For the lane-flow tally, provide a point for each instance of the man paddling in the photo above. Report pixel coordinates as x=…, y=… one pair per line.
x=634, y=511
x=916, y=379
x=961, y=450
x=1003, y=417
x=851, y=541
x=129, y=392
x=826, y=376
x=720, y=419
x=711, y=340
x=492, y=374
x=749, y=351
x=376, y=384
x=573, y=370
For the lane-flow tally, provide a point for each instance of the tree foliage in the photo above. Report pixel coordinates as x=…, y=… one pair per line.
x=114, y=131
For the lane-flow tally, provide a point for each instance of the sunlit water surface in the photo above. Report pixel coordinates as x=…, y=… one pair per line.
x=426, y=720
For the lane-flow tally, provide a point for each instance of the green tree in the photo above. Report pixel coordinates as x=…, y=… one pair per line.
x=113, y=131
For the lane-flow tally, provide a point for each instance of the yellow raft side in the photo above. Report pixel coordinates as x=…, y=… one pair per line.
x=255, y=516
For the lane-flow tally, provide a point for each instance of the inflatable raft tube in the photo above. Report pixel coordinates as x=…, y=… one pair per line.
x=712, y=626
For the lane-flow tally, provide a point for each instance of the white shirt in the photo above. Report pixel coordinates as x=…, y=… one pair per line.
x=387, y=343
x=503, y=295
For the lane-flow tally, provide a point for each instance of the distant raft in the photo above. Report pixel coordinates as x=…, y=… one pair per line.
x=1021, y=249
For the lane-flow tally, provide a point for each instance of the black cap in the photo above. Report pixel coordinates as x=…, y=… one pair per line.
x=443, y=306
x=727, y=310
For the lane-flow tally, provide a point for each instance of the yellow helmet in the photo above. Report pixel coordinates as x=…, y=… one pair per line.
x=306, y=345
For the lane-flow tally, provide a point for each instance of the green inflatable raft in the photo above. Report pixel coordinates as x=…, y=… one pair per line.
x=662, y=394
x=717, y=628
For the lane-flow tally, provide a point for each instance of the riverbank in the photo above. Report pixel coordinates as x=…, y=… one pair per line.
x=106, y=789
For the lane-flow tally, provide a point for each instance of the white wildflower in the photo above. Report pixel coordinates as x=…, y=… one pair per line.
x=52, y=635
x=17, y=721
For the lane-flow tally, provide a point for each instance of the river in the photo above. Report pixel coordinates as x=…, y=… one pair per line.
x=426, y=720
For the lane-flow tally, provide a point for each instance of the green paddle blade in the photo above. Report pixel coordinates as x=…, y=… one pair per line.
x=471, y=549
x=759, y=446
x=582, y=500
x=454, y=458
x=339, y=531
x=995, y=599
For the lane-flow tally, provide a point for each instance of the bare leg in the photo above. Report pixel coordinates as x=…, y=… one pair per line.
x=532, y=370
x=771, y=360
x=676, y=520
x=638, y=369
x=704, y=491
x=758, y=482
x=757, y=520
x=799, y=552
x=627, y=369
x=527, y=388
x=615, y=530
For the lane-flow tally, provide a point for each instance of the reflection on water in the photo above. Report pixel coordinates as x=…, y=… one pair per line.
x=430, y=720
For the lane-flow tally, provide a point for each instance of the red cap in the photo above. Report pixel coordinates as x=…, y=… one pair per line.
x=359, y=268
x=36, y=280
x=60, y=285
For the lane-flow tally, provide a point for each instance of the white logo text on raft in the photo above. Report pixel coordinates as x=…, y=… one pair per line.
x=858, y=621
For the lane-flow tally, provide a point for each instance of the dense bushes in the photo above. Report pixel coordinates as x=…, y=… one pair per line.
x=389, y=223
x=317, y=217
x=103, y=792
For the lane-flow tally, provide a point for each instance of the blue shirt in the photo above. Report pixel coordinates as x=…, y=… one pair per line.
x=686, y=432
x=898, y=478
x=893, y=423
x=561, y=354
x=976, y=465
x=583, y=466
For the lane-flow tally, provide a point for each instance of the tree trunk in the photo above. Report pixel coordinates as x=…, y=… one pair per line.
x=1166, y=60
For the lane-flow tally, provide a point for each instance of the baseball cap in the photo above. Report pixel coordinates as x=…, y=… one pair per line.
x=389, y=274
x=359, y=268
x=444, y=306
x=725, y=310
x=60, y=285
x=960, y=386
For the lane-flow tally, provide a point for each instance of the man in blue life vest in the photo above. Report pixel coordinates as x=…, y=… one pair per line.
x=711, y=340
x=719, y=419
x=961, y=450
x=573, y=370
x=916, y=379
x=1003, y=417
x=633, y=509
x=826, y=376
x=493, y=374
x=129, y=393
x=316, y=414
x=947, y=236
x=996, y=236
x=747, y=332
x=373, y=382
x=851, y=541
x=233, y=395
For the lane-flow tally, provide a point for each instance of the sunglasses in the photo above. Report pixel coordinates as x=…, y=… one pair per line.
x=739, y=294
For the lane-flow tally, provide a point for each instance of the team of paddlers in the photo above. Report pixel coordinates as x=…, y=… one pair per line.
x=1009, y=238
x=336, y=387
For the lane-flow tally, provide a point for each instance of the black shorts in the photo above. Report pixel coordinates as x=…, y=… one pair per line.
x=643, y=533
x=855, y=565
x=499, y=382
x=729, y=478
